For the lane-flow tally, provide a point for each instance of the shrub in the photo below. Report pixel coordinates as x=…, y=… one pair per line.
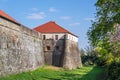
x=89, y=59
x=113, y=71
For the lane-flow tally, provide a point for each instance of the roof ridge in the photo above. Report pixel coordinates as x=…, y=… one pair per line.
x=41, y=25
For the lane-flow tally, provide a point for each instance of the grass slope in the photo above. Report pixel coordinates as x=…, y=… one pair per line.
x=84, y=73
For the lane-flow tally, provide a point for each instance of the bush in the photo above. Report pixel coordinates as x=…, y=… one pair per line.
x=113, y=71
x=100, y=62
x=89, y=59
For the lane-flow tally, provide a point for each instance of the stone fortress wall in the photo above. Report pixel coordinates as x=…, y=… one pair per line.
x=20, y=48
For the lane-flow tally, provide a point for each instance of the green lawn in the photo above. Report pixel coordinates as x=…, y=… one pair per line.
x=84, y=73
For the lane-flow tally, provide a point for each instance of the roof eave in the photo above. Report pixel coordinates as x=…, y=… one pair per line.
x=10, y=20
x=61, y=32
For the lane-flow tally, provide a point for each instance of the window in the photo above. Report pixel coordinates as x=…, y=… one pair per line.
x=56, y=37
x=48, y=48
x=44, y=37
x=64, y=36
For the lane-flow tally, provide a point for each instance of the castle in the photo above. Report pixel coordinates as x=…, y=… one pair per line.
x=23, y=49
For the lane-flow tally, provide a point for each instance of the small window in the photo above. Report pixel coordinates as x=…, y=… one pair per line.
x=44, y=37
x=56, y=37
x=48, y=48
x=64, y=36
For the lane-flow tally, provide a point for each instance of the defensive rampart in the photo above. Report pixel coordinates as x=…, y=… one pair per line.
x=20, y=48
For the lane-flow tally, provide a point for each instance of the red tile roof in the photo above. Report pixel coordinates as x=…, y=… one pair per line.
x=5, y=15
x=51, y=27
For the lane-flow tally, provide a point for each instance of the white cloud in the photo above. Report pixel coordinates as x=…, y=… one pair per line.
x=40, y=15
x=89, y=19
x=34, y=9
x=75, y=24
x=65, y=17
x=52, y=9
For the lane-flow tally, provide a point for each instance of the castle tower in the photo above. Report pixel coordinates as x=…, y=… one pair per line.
x=60, y=46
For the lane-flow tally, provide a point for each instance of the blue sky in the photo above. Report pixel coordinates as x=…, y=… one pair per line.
x=73, y=15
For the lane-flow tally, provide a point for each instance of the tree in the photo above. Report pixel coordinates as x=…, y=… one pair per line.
x=108, y=14
x=105, y=27
x=82, y=52
x=89, y=50
x=104, y=35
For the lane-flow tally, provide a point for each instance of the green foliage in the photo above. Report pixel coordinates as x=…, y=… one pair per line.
x=94, y=57
x=89, y=59
x=84, y=73
x=104, y=36
x=108, y=13
x=113, y=71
